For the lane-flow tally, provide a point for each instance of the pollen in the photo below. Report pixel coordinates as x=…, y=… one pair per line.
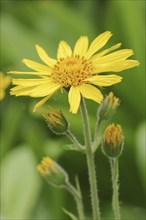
x=71, y=71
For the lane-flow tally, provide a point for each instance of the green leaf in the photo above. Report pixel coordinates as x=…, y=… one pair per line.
x=72, y=147
x=72, y=216
x=20, y=184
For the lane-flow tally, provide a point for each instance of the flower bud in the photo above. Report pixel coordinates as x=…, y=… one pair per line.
x=56, y=121
x=108, y=107
x=113, y=141
x=52, y=172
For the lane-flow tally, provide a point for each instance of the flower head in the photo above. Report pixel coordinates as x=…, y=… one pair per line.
x=52, y=172
x=77, y=71
x=56, y=121
x=113, y=140
x=4, y=83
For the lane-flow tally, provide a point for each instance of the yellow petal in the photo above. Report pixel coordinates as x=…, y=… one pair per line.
x=81, y=46
x=41, y=102
x=116, y=46
x=74, y=99
x=32, y=73
x=127, y=64
x=115, y=66
x=44, y=89
x=37, y=66
x=98, y=43
x=90, y=92
x=21, y=91
x=117, y=56
x=44, y=56
x=64, y=50
x=29, y=82
x=104, y=80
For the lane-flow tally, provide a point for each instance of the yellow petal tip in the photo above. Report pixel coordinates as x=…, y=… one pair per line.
x=138, y=63
x=23, y=61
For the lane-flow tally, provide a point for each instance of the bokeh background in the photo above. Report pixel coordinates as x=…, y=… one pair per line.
x=25, y=137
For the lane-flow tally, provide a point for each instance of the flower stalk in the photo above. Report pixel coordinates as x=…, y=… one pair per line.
x=95, y=142
x=74, y=140
x=78, y=199
x=90, y=163
x=115, y=185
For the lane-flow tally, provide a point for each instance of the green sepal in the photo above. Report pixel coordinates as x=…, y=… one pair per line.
x=111, y=151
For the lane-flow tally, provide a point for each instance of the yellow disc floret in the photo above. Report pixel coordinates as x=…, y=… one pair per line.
x=71, y=71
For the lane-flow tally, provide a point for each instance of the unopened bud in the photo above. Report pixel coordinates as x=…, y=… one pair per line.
x=108, y=107
x=56, y=121
x=113, y=141
x=52, y=172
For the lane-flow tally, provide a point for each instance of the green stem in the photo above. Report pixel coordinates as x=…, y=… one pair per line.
x=70, y=135
x=115, y=198
x=90, y=163
x=80, y=193
x=95, y=142
x=78, y=200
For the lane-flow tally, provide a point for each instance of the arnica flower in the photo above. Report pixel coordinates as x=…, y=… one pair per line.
x=78, y=71
x=108, y=107
x=4, y=84
x=113, y=141
x=52, y=172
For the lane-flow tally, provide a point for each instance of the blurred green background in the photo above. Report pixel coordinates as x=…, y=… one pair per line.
x=25, y=137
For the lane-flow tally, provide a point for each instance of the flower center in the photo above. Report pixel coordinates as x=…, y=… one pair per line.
x=71, y=71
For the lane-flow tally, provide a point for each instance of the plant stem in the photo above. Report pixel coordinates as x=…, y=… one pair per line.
x=115, y=198
x=70, y=135
x=90, y=163
x=95, y=142
x=78, y=200
x=80, y=193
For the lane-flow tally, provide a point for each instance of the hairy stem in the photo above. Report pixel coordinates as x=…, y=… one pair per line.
x=115, y=198
x=70, y=135
x=78, y=200
x=80, y=193
x=90, y=163
x=95, y=141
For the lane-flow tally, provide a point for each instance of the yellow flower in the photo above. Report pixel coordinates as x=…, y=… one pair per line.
x=4, y=83
x=77, y=71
